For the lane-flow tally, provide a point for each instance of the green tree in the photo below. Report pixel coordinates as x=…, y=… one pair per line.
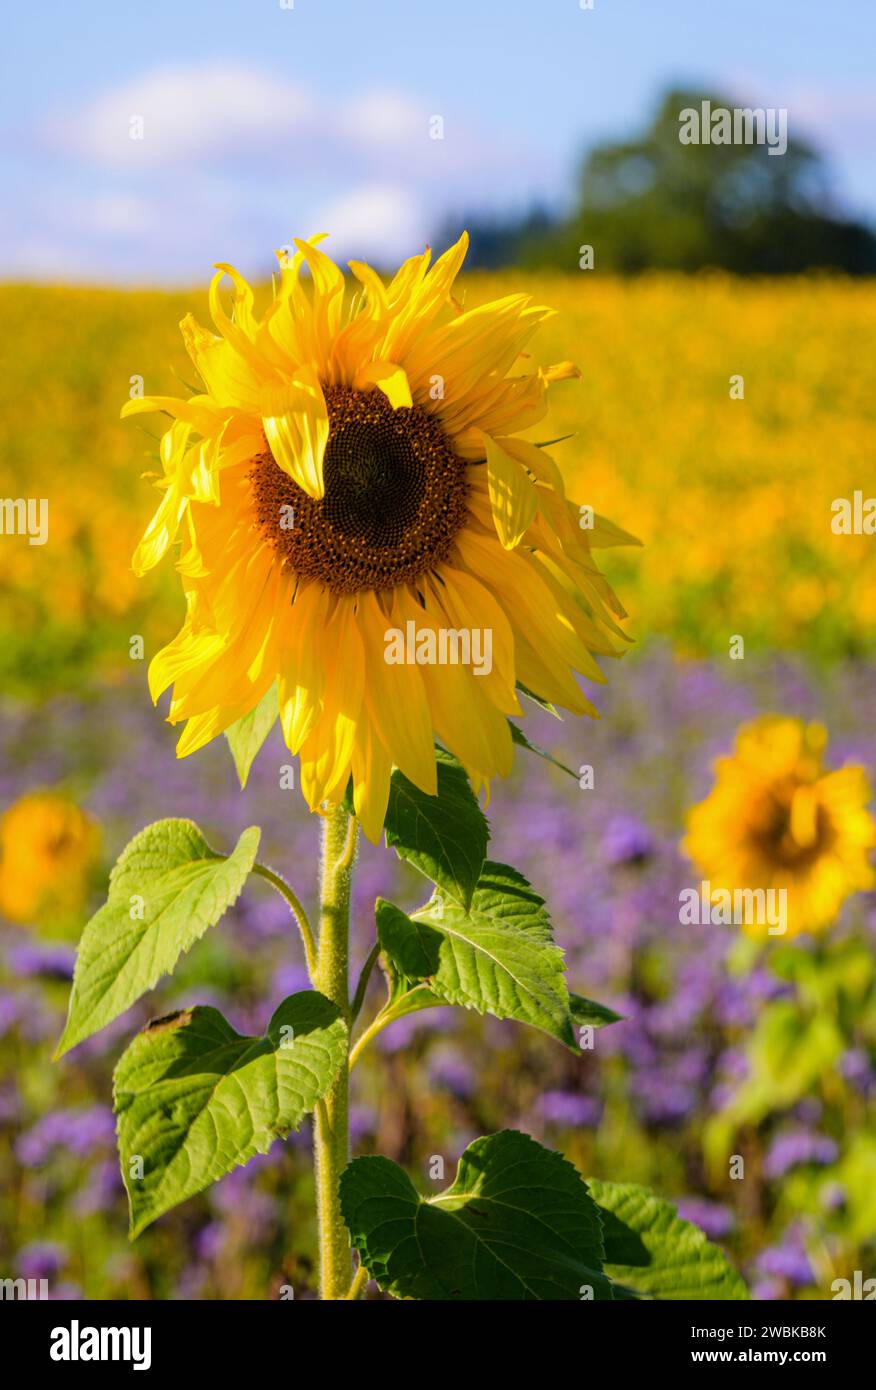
x=655, y=202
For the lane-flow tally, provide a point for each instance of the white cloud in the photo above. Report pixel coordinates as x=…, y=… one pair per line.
x=833, y=117
x=225, y=115
x=384, y=120
x=198, y=112
x=235, y=161
x=375, y=220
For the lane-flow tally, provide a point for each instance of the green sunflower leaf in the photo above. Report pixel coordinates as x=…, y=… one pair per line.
x=519, y=737
x=167, y=887
x=516, y=1224
x=497, y=958
x=548, y=443
x=405, y=996
x=650, y=1252
x=539, y=700
x=246, y=737
x=444, y=836
x=194, y=1099
x=587, y=1011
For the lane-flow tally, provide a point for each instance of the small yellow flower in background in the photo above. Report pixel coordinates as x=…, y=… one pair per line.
x=352, y=471
x=48, y=849
x=776, y=819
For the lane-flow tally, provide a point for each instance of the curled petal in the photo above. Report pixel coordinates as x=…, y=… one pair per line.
x=513, y=496
x=296, y=424
x=389, y=378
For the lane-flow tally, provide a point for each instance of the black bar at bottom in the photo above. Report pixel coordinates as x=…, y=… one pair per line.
x=160, y=1338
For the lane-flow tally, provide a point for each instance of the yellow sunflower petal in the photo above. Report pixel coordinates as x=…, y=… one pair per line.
x=512, y=494
x=388, y=377
x=296, y=424
x=395, y=693
x=498, y=558
x=188, y=651
x=302, y=669
x=230, y=379
x=203, y=728
x=239, y=331
x=161, y=531
x=200, y=412
x=371, y=773
x=327, y=753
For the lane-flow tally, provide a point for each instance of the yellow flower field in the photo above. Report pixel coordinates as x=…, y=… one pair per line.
x=732, y=497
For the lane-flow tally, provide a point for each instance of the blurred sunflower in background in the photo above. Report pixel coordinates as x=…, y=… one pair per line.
x=776, y=819
x=351, y=468
x=49, y=848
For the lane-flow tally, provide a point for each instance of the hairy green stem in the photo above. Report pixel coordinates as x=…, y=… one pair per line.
x=297, y=911
x=331, y=1129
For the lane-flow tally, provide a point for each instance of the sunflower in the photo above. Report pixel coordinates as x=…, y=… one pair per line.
x=776, y=819
x=352, y=470
x=48, y=849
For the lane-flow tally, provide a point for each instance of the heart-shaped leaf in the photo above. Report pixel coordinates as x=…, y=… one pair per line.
x=498, y=958
x=444, y=836
x=194, y=1099
x=166, y=889
x=246, y=737
x=516, y=1224
x=650, y=1252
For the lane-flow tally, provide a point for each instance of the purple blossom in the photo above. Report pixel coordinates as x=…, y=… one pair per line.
x=768, y=1291
x=733, y=1064
x=256, y=1213
x=209, y=1240
x=627, y=841
x=787, y=1259
x=290, y=979
x=265, y=917
x=715, y=1220
x=796, y=1147
x=363, y=1122
x=192, y=1282
x=237, y=1196
x=79, y=1132
x=808, y=1111
x=449, y=1071
x=102, y=1188
x=664, y=1100
x=41, y=1259
x=36, y=959
x=762, y=986
x=682, y=1047
x=13, y=1008
x=856, y=1067
x=570, y=1109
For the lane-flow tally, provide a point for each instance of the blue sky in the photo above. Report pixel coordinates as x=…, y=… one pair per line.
x=262, y=122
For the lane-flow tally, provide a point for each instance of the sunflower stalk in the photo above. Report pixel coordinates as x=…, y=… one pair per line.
x=332, y=1122
x=349, y=498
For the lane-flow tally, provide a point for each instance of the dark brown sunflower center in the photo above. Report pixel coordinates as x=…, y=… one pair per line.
x=395, y=497
x=775, y=836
